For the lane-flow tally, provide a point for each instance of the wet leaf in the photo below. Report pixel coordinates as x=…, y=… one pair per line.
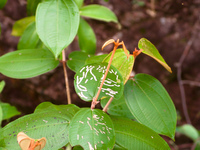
x=92, y=129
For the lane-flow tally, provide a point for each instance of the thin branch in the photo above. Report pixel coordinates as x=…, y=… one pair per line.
x=66, y=77
x=179, y=72
x=192, y=83
x=108, y=103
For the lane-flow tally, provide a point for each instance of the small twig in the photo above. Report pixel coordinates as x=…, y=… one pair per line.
x=192, y=83
x=66, y=77
x=179, y=78
x=108, y=103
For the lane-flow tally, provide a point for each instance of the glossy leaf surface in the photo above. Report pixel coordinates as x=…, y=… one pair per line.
x=8, y=111
x=133, y=135
x=53, y=125
x=57, y=23
x=31, y=6
x=89, y=77
x=189, y=131
x=150, y=104
x=117, y=107
x=150, y=49
x=21, y=25
x=122, y=63
x=86, y=38
x=92, y=129
x=77, y=60
x=29, y=38
x=27, y=63
x=98, y=12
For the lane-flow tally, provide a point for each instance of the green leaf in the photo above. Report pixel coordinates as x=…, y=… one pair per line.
x=149, y=49
x=27, y=63
x=189, y=131
x=86, y=38
x=2, y=3
x=117, y=107
x=133, y=135
x=96, y=59
x=89, y=77
x=79, y=3
x=69, y=110
x=29, y=38
x=53, y=125
x=92, y=129
x=98, y=12
x=57, y=23
x=150, y=104
x=1, y=116
x=2, y=85
x=77, y=60
x=8, y=111
x=21, y=25
x=121, y=62
x=31, y=6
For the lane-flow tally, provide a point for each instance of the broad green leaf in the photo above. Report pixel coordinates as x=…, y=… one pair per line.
x=117, y=107
x=189, y=131
x=86, y=38
x=29, y=38
x=132, y=135
x=77, y=60
x=89, y=77
x=96, y=59
x=9, y=111
x=69, y=110
x=79, y=3
x=150, y=104
x=1, y=116
x=2, y=84
x=149, y=49
x=78, y=148
x=53, y=125
x=92, y=129
x=57, y=23
x=98, y=12
x=21, y=25
x=27, y=63
x=122, y=63
x=31, y=6
x=2, y=3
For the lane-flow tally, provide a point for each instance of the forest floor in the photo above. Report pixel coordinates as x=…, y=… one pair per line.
x=172, y=26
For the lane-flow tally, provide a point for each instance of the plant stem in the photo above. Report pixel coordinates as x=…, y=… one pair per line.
x=108, y=103
x=94, y=102
x=66, y=77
